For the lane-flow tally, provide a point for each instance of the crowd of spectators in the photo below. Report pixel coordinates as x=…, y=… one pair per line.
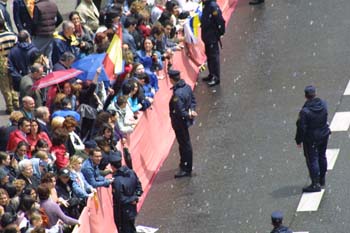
x=55, y=150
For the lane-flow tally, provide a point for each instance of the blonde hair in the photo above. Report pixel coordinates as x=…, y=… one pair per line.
x=74, y=160
x=57, y=122
x=15, y=116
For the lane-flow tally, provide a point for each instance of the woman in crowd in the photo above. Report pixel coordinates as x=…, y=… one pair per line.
x=35, y=135
x=58, y=149
x=14, y=118
x=151, y=60
x=5, y=202
x=67, y=89
x=52, y=209
x=74, y=143
x=21, y=151
x=8, y=164
x=83, y=34
x=81, y=188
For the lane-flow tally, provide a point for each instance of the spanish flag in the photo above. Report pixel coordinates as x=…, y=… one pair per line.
x=113, y=62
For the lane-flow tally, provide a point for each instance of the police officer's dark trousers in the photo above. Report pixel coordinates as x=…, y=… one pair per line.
x=212, y=52
x=315, y=155
x=185, y=146
x=124, y=218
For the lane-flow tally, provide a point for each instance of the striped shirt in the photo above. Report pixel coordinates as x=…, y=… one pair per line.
x=7, y=41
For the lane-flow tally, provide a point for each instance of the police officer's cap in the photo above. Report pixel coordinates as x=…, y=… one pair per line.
x=310, y=90
x=174, y=74
x=276, y=216
x=115, y=157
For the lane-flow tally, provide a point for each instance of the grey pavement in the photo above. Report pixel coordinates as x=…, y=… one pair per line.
x=246, y=162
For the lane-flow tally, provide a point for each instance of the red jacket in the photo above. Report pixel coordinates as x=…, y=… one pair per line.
x=62, y=157
x=15, y=137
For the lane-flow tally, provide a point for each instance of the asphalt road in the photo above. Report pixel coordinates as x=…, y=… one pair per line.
x=246, y=162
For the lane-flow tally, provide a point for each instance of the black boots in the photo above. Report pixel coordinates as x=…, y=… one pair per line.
x=313, y=187
x=256, y=2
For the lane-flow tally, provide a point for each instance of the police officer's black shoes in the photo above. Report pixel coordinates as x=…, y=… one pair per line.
x=314, y=187
x=207, y=79
x=323, y=181
x=256, y=2
x=182, y=173
x=213, y=82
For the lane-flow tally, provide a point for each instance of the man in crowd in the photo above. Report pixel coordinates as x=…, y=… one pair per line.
x=5, y=16
x=45, y=20
x=19, y=134
x=89, y=14
x=42, y=115
x=213, y=28
x=312, y=134
x=19, y=58
x=65, y=62
x=129, y=27
x=7, y=41
x=65, y=41
x=27, y=82
x=28, y=106
x=126, y=190
x=91, y=171
x=182, y=113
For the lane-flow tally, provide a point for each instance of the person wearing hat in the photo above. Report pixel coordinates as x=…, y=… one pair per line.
x=182, y=107
x=126, y=190
x=276, y=221
x=312, y=134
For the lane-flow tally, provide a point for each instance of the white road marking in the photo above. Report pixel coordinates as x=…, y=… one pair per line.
x=332, y=155
x=310, y=201
x=347, y=89
x=340, y=122
x=144, y=229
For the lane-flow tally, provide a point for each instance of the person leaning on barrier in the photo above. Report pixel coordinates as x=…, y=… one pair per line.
x=91, y=171
x=126, y=190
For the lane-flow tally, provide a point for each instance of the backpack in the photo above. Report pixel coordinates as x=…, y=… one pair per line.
x=44, y=217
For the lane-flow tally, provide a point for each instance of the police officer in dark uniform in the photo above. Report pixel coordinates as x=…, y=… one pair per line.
x=182, y=113
x=213, y=27
x=276, y=221
x=126, y=190
x=312, y=134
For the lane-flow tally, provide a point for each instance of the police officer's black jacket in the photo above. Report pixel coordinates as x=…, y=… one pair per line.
x=181, y=102
x=312, y=123
x=126, y=187
x=212, y=22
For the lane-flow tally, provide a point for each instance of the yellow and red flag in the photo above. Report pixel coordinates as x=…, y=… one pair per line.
x=113, y=62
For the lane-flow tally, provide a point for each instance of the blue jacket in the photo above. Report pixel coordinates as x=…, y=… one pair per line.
x=21, y=16
x=126, y=187
x=19, y=61
x=62, y=44
x=129, y=39
x=77, y=188
x=212, y=22
x=92, y=174
x=312, y=123
x=181, y=102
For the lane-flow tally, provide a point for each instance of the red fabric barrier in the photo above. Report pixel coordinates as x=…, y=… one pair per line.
x=152, y=139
